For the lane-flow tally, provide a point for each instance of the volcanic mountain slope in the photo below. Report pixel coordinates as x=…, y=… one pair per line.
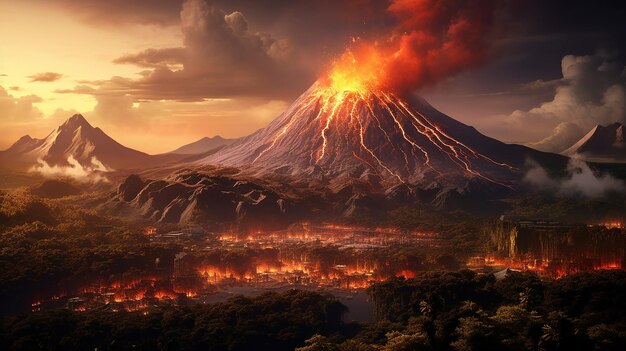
x=202, y=146
x=601, y=144
x=211, y=200
x=76, y=138
x=377, y=137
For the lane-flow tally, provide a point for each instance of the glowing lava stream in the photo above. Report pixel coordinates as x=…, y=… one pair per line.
x=373, y=125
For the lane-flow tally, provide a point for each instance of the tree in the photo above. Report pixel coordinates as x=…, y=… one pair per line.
x=318, y=343
x=397, y=341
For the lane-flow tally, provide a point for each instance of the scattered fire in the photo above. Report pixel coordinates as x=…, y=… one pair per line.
x=554, y=269
x=406, y=274
x=613, y=225
x=150, y=231
x=283, y=259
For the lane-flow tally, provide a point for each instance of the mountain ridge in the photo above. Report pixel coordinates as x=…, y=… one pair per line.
x=78, y=139
x=202, y=145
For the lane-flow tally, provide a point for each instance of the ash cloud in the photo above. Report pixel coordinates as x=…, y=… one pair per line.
x=89, y=173
x=581, y=180
x=563, y=136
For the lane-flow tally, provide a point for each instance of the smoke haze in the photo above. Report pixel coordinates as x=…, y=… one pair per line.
x=581, y=180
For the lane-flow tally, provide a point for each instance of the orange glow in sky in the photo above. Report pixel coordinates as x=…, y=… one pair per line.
x=83, y=54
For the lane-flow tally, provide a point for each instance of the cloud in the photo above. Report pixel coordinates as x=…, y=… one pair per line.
x=90, y=173
x=220, y=57
x=20, y=109
x=564, y=135
x=591, y=92
x=20, y=116
x=154, y=58
x=435, y=39
x=581, y=180
x=45, y=77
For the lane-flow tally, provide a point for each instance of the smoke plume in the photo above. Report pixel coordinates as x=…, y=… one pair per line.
x=431, y=40
x=91, y=173
x=438, y=39
x=580, y=181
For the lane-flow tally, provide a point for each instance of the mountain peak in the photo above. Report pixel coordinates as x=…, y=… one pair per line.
x=76, y=121
x=601, y=144
x=25, y=138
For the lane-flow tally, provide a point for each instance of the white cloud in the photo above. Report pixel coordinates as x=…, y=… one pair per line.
x=580, y=181
x=91, y=173
x=564, y=135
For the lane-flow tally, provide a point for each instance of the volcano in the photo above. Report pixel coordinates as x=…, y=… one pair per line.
x=378, y=137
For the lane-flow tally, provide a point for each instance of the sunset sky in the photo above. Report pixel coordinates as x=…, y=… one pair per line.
x=155, y=75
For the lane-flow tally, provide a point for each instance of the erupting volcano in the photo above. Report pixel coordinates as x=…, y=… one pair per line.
x=360, y=121
x=348, y=125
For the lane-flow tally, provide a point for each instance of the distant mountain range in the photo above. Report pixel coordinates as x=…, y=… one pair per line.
x=340, y=152
x=76, y=138
x=601, y=144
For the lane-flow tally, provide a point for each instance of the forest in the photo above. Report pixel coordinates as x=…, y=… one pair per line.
x=50, y=247
x=458, y=310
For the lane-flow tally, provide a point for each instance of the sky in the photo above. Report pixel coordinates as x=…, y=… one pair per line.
x=155, y=75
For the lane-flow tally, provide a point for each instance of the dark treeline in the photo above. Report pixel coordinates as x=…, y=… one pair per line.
x=268, y=322
x=436, y=311
x=466, y=311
